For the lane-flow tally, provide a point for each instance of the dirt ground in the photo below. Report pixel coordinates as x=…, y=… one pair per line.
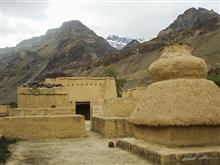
x=92, y=150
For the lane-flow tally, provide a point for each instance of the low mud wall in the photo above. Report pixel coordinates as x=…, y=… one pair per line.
x=118, y=107
x=41, y=111
x=112, y=127
x=4, y=110
x=43, y=127
x=43, y=97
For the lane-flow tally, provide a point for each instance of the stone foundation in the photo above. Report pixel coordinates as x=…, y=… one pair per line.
x=43, y=127
x=112, y=127
x=179, y=136
x=161, y=155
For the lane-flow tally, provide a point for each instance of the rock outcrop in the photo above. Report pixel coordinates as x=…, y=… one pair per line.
x=61, y=49
x=132, y=44
x=191, y=18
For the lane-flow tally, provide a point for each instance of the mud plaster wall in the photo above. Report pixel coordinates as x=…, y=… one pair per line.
x=135, y=93
x=97, y=107
x=112, y=127
x=87, y=89
x=68, y=126
x=42, y=98
x=41, y=111
x=118, y=107
x=180, y=102
x=4, y=108
x=179, y=136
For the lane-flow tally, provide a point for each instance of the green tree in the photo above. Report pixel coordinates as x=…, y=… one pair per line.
x=109, y=71
x=215, y=78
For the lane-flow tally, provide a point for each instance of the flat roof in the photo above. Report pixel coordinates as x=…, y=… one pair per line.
x=82, y=78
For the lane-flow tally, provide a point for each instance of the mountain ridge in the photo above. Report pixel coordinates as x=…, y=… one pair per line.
x=191, y=18
x=132, y=65
x=68, y=46
x=120, y=42
x=71, y=54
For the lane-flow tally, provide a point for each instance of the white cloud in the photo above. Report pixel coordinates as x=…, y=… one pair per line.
x=136, y=19
x=16, y=30
x=140, y=19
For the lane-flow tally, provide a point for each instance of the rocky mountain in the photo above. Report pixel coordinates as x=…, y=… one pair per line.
x=70, y=46
x=133, y=43
x=191, y=18
x=132, y=64
x=119, y=42
x=75, y=50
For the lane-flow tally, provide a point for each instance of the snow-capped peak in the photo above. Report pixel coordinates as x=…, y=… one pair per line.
x=119, y=42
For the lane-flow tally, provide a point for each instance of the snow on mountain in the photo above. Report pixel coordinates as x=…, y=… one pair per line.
x=119, y=42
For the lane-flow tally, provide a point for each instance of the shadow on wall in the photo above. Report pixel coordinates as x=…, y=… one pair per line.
x=4, y=153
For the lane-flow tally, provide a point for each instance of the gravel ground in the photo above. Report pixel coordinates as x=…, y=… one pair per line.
x=92, y=150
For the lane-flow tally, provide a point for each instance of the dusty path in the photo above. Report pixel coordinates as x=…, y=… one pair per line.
x=92, y=150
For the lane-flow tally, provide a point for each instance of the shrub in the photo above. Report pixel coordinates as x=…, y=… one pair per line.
x=109, y=71
x=215, y=79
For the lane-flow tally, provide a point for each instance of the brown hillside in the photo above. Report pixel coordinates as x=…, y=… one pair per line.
x=75, y=50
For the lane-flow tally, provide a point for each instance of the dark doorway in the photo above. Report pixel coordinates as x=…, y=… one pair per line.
x=83, y=108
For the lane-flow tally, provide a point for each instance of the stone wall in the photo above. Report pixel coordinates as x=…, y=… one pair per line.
x=112, y=127
x=41, y=127
x=42, y=97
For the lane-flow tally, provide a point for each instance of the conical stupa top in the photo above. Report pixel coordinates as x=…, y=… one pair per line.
x=175, y=50
x=176, y=61
x=182, y=95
